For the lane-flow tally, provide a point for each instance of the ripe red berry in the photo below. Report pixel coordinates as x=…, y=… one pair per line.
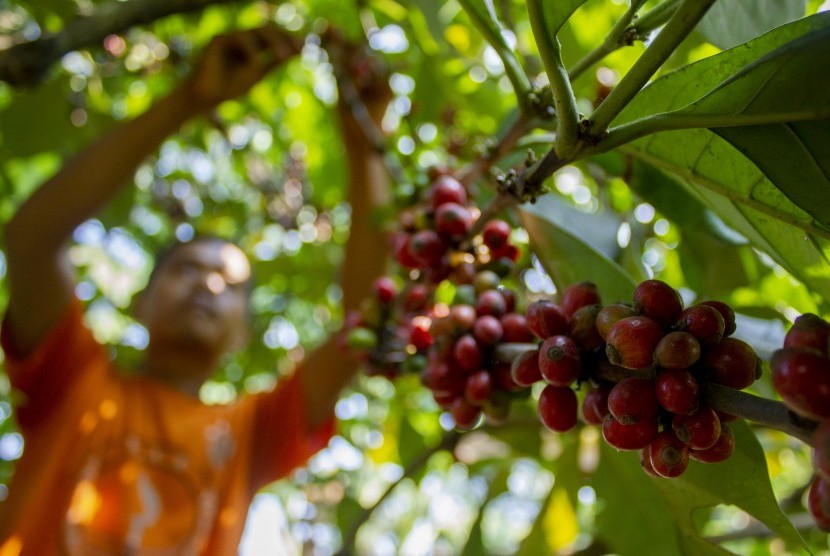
x=809, y=330
x=479, y=387
x=507, y=251
x=583, y=328
x=633, y=400
x=595, y=404
x=464, y=413
x=545, y=319
x=677, y=350
x=461, y=319
x=385, y=289
x=677, y=391
x=732, y=363
x=427, y=247
x=559, y=360
x=610, y=314
x=704, y=322
x=699, y=430
x=628, y=437
x=631, y=342
x=579, y=295
x=403, y=253
x=503, y=378
x=446, y=189
x=558, y=408
x=729, y=325
x=416, y=297
x=525, y=368
x=516, y=329
x=443, y=379
x=495, y=234
x=453, y=221
x=668, y=455
x=491, y=302
x=645, y=463
x=509, y=298
x=467, y=354
x=488, y=330
x=818, y=502
x=821, y=449
x=419, y=335
x=658, y=301
x=802, y=378
x=721, y=450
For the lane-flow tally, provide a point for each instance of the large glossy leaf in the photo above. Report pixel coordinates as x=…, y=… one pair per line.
x=557, y=13
x=731, y=22
x=569, y=257
x=725, y=179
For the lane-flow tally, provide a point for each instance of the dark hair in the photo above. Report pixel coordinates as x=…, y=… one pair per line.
x=164, y=254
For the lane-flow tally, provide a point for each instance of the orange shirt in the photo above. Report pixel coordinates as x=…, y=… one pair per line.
x=123, y=464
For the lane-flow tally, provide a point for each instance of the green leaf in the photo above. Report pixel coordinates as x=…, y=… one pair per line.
x=731, y=22
x=742, y=480
x=557, y=13
x=567, y=257
x=726, y=180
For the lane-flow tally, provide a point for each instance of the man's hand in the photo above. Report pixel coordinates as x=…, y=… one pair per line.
x=233, y=63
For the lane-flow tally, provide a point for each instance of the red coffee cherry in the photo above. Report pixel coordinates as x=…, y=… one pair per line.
x=720, y=451
x=818, y=502
x=669, y=456
x=546, y=319
x=645, y=463
x=479, y=387
x=467, y=354
x=516, y=329
x=427, y=247
x=559, y=360
x=579, y=295
x=509, y=298
x=595, y=404
x=461, y=319
x=443, y=379
x=495, y=234
x=677, y=350
x=558, y=408
x=419, y=335
x=491, y=302
x=525, y=368
x=732, y=363
x=677, y=391
x=583, y=328
x=809, y=330
x=385, y=289
x=704, y=322
x=446, y=189
x=507, y=251
x=465, y=414
x=416, y=298
x=729, y=325
x=633, y=400
x=610, y=314
x=658, y=301
x=453, y=221
x=699, y=430
x=631, y=342
x=403, y=253
x=802, y=378
x=628, y=437
x=488, y=330
x=821, y=449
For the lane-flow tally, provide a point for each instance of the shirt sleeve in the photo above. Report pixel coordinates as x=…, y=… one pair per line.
x=281, y=437
x=43, y=377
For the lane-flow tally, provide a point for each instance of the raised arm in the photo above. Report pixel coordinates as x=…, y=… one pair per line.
x=326, y=370
x=40, y=278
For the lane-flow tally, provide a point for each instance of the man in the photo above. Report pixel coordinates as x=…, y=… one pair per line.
x=136, y=464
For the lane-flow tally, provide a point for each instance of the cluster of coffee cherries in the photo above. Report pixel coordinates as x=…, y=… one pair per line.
x=801, y=375
x=450, y=344
x=657, y=354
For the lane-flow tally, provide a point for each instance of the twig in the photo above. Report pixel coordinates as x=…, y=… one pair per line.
x=25, y=64
x=504, y=145
x=768, y=413
x=621, y=34
x=449, y=442
x=491, y=32
x=678, y=27
x=567, y=115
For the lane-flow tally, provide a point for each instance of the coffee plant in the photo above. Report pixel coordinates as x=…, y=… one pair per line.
x=604, y=325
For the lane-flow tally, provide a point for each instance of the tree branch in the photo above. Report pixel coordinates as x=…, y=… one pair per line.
x=26, y=64
x=678, y=27
x=768, y=413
